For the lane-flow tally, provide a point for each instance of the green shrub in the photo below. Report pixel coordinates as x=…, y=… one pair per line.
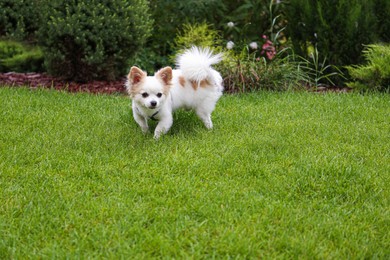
x=20, y=19
x=10, y=48
x=246, y=72
x=375, y=74
x=201, y=35
x=337, y=28
x=86, y=40
x=17, y=57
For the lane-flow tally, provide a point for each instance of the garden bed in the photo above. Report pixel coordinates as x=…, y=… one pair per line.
x=43, y=80
x=36, y=80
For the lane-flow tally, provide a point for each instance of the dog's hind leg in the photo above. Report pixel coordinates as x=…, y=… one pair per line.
x=205, y=116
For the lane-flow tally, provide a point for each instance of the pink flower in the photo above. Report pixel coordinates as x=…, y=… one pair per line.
x=268, y=49
x=271, y=54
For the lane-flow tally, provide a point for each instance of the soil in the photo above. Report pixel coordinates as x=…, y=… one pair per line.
x=42, y=80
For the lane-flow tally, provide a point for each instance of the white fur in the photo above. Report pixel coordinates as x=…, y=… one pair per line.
x=195, y=63
x=201, y=91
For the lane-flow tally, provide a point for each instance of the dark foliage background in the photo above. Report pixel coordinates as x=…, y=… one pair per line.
x=92, y=39
x=339, y=29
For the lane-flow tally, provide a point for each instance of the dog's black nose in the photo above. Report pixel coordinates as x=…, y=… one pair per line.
x=153, y=103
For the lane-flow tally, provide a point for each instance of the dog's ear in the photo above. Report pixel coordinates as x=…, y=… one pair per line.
x=165, y=74
x=135, y=75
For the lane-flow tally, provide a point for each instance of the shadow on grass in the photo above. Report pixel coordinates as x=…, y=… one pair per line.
x=185, y=123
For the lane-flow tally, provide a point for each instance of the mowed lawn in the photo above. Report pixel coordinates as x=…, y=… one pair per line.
x=281, y=175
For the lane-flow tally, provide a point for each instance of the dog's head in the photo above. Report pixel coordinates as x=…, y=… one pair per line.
x=149, y=91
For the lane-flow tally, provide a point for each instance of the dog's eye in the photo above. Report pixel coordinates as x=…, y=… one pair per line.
x=145, y=95
x=159, y=95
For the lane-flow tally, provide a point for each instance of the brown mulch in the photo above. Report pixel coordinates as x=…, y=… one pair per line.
x=42, y=80
x=323, y=89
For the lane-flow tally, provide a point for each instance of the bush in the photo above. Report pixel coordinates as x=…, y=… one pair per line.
x=9, y=49
x=15, y=56
x=20, y=19
x=247, y=72
x=337, y=28
x=202, y=35
x=86, y=40
x=375, y=74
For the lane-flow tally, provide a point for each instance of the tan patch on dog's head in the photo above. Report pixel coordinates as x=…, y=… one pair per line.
x=135, y=79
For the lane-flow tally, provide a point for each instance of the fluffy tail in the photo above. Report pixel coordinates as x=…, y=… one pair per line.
x=195, y=63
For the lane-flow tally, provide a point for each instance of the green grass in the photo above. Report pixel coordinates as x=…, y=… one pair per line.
x=282, y=175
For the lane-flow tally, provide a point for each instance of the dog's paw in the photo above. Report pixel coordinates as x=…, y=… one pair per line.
x=145, y=130
x=208, y=124
x=158, y=133
x=157, y=136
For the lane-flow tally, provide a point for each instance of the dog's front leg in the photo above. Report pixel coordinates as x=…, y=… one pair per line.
x=141, y=121
x=163, y=126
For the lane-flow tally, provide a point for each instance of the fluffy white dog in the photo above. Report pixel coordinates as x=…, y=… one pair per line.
x=194, y=85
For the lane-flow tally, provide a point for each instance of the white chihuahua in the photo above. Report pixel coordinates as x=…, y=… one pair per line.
x=194, y=85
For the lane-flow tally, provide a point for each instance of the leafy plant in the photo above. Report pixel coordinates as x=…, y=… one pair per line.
x=375, y=73
x=246, y=72
x=93, y=39
x=319, y=72
x=10, y=48
x=202, y=35
x=18, y=57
